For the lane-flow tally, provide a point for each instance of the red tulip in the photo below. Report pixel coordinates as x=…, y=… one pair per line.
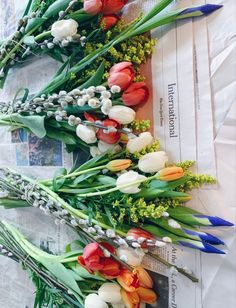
x=90, y=117
x=112, y=6
x=111, y=137
x=121, y=74
x=111, y=268
x=137, y=93
x=137, y=233
x=94, y=7
x=93, y=259
x=109, y=21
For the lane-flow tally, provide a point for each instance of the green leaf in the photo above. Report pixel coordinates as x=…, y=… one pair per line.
x=60, y=135
x=34, y=123
x=13, y=203
x=28, y=7
x=106, y=180
x=149, y=193
x=84, y=177
x=92, y=162
x=34, y=23
x=23, y=99
x=58, y=181
x=56, y=7
x=29, y=40
x=168, y=185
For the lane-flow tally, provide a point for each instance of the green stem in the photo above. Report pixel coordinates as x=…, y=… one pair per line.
x=74, y=174
x=42, y=35
x=67, y=260
x=169, y=265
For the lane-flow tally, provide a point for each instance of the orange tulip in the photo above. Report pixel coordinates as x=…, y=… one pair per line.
x=144, y=278
x=146, y=295
x=128, y=280
x=131, y=299
x=170, y=173
x=119, y=164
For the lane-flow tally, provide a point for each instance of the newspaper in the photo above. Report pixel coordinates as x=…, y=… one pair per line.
x=187, y=115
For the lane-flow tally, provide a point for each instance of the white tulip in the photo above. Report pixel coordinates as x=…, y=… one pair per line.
x=122, y=114
x=153, y=162
x=94, y=151
x=94, y=301
x=103, y=147
x=64, y=28
x=140, y=142
x=86, y=133
x=130, y=256
x=110, y=292
x=128, y=178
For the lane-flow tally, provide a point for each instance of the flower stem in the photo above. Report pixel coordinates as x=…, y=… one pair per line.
x=42, y=35
x=99, y=193
x=169, y=265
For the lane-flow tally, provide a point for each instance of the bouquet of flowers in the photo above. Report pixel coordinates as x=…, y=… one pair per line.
x=90, y=275
x=100, y=78
x=136, y=202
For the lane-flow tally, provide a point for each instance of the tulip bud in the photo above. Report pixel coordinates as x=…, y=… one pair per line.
x=128, y=280
x=121, y=74
x=86, y=133
x=152, y=162
x=94, y=151
x=122, y=114
x=61, y=29
x=138, y=234
x=145, y=279
x=131, y=299
x=104, y=147
x=119, y=165
x=111, y=6
x=93, y=7
x=109, y=21
x=93, y=300
x=170, y=173
x=110, y=292
x=146, y=295
x=137, y=93
x=130, y=256
x=109, y=137
x=129, y=178
x=137, y=144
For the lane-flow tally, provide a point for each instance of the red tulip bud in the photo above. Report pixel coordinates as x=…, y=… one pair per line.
x=112, y=137
x=137, y=93
x=94, y=7
x=121, y=74
x=139, y=234
x=109, y=21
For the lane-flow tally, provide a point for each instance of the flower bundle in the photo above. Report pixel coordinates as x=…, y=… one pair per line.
x=56, y=28
x=62, y=280
x=135, y=202
x=57, y=111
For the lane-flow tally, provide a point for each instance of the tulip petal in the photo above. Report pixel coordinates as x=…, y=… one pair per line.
x=147, y=296
x=131, y=299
